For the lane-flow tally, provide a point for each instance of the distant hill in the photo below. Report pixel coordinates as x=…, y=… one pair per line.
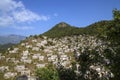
x=14, y=39
x=63, y=29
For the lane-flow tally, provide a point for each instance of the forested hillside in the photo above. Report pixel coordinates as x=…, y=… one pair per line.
x=95, y=29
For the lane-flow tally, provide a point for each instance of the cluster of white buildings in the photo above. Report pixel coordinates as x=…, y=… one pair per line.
x=14, y=50
x=40, y=52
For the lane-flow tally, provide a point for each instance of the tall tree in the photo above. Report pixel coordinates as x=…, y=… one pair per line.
x=114, y=37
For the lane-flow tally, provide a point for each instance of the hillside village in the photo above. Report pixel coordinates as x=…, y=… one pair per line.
x=37, y=52
x=59, y=40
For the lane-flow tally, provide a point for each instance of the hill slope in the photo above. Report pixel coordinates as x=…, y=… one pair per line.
x=34, y=53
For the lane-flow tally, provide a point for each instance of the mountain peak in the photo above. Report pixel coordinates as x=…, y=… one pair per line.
x=61, y=29
x=62, y=25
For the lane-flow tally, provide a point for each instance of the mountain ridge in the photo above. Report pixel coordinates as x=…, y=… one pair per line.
x=12, y=38
x=64, y=29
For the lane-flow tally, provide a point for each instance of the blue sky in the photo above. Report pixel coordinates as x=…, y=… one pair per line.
x=30, y=17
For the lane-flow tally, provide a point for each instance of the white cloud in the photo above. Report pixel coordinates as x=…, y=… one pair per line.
x=28, y=16
x=13, y=12
x=6, y=20
x=25, y=16
x=10, y=5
